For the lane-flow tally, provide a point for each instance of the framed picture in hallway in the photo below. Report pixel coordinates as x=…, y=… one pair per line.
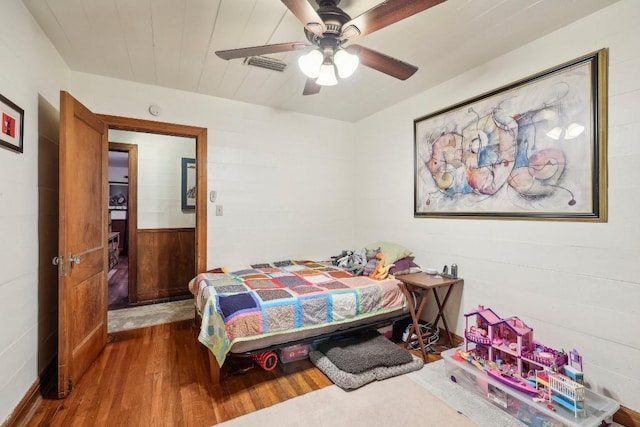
x=533, y=149
x=12, y=127
x=188, y=184
x=118, y=195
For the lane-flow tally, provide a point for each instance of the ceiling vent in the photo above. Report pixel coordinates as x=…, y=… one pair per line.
x=265, y=62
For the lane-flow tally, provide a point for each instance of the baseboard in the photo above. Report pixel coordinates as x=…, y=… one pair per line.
x=33, y=396
x=624, y=416
x=627, y=417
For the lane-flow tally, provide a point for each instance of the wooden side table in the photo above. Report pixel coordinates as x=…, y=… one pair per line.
x=422, y=283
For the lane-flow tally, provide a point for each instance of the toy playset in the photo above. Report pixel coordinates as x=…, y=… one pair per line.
x=540, y=385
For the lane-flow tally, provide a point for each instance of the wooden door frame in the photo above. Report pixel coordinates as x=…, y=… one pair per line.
x=132, y=214
x=200, y=135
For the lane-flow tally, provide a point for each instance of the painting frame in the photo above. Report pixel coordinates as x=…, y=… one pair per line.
x=118, y=195
x=12, y=129
x=535, y=149
x=188, y=184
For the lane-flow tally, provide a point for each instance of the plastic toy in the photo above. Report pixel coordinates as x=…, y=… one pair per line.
x=504, y=348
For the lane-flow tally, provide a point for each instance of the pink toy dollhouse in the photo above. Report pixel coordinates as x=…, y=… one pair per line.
x=508, y=342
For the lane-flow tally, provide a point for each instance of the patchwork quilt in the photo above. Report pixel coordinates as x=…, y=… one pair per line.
x=282, y=297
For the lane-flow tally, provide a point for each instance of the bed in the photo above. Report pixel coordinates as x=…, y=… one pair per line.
x=271, y=305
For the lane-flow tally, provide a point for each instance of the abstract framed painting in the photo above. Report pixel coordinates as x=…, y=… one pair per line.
x=12, y=129
x=534, y=149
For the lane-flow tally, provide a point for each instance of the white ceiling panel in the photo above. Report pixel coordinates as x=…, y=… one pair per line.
x=135, y=25
x=172, y=43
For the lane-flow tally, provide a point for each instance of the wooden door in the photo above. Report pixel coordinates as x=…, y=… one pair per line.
x=82, y=247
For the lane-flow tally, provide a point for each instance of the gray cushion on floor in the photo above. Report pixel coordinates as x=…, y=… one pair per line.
x=364, y=352
x=349, y=381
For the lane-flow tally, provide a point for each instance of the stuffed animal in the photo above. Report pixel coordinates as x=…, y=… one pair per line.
x=372, y=261
x=381, y=271
x=352, y=262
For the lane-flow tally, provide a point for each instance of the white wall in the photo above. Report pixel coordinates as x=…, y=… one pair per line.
x=285, y=180
x=577, y=284
x=159, y=178
x=29, y=68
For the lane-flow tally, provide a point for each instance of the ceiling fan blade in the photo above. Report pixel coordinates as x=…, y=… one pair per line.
x=262, y=50
x=311, y=87
x=383, y=15
x=383, y=63
x=306, y=14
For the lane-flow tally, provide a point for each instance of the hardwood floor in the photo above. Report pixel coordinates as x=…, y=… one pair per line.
x=119, y=285
x=158, y=376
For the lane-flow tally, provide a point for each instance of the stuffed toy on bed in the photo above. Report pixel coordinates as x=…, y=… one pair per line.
x=381, y=271
x=352, y=262
x=372, y=261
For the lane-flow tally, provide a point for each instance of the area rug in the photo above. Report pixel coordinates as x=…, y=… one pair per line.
x=396, y=401
x=149, y=315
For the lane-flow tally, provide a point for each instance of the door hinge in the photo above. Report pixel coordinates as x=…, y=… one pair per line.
x=59, y=261
x=70, y=385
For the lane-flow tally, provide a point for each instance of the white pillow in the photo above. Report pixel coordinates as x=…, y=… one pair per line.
x=391, y=251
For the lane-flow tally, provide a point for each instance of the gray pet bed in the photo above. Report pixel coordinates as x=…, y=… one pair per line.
x=348, y=381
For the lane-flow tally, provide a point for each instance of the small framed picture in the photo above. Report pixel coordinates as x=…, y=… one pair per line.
x=118, y=195
x=12, y=127
x=188, y=184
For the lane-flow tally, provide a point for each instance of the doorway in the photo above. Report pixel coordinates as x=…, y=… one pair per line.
x=122, y=206
x=133, y=231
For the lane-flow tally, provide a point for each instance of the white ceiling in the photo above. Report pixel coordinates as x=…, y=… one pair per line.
x=171, y=43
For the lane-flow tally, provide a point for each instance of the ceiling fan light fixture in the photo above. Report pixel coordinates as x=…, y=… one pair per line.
x=310, y=63
x=346, y=63
x=327, y=75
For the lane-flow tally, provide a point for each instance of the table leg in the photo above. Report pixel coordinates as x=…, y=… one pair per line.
x=415, y=315
x=441, y=312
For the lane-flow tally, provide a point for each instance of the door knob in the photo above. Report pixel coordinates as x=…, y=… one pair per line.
x=73, y=260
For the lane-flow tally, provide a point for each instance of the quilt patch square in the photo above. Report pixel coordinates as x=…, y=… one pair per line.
x=294, y=267
x=290, y=281
x=270, y=270
x=283, y=263
x=344, y=306
x=314, y=311
x=313, y=264
x=224, y=282
x=245, y=324
x=338, y=274
x=281, y=273
x=231, y=289
x=273, y=294
x=307, y=272
x=229, y=305
x=246, y=272
x=261, y=266
x=261, y=284
x=280, y=317
x=370, y=299
x=333, y=285
x=305, y=289
x=318, y=279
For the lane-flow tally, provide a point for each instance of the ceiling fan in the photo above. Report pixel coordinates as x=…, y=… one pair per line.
x=329, y=32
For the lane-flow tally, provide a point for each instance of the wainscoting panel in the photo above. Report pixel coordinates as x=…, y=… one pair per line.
x=166, y=263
